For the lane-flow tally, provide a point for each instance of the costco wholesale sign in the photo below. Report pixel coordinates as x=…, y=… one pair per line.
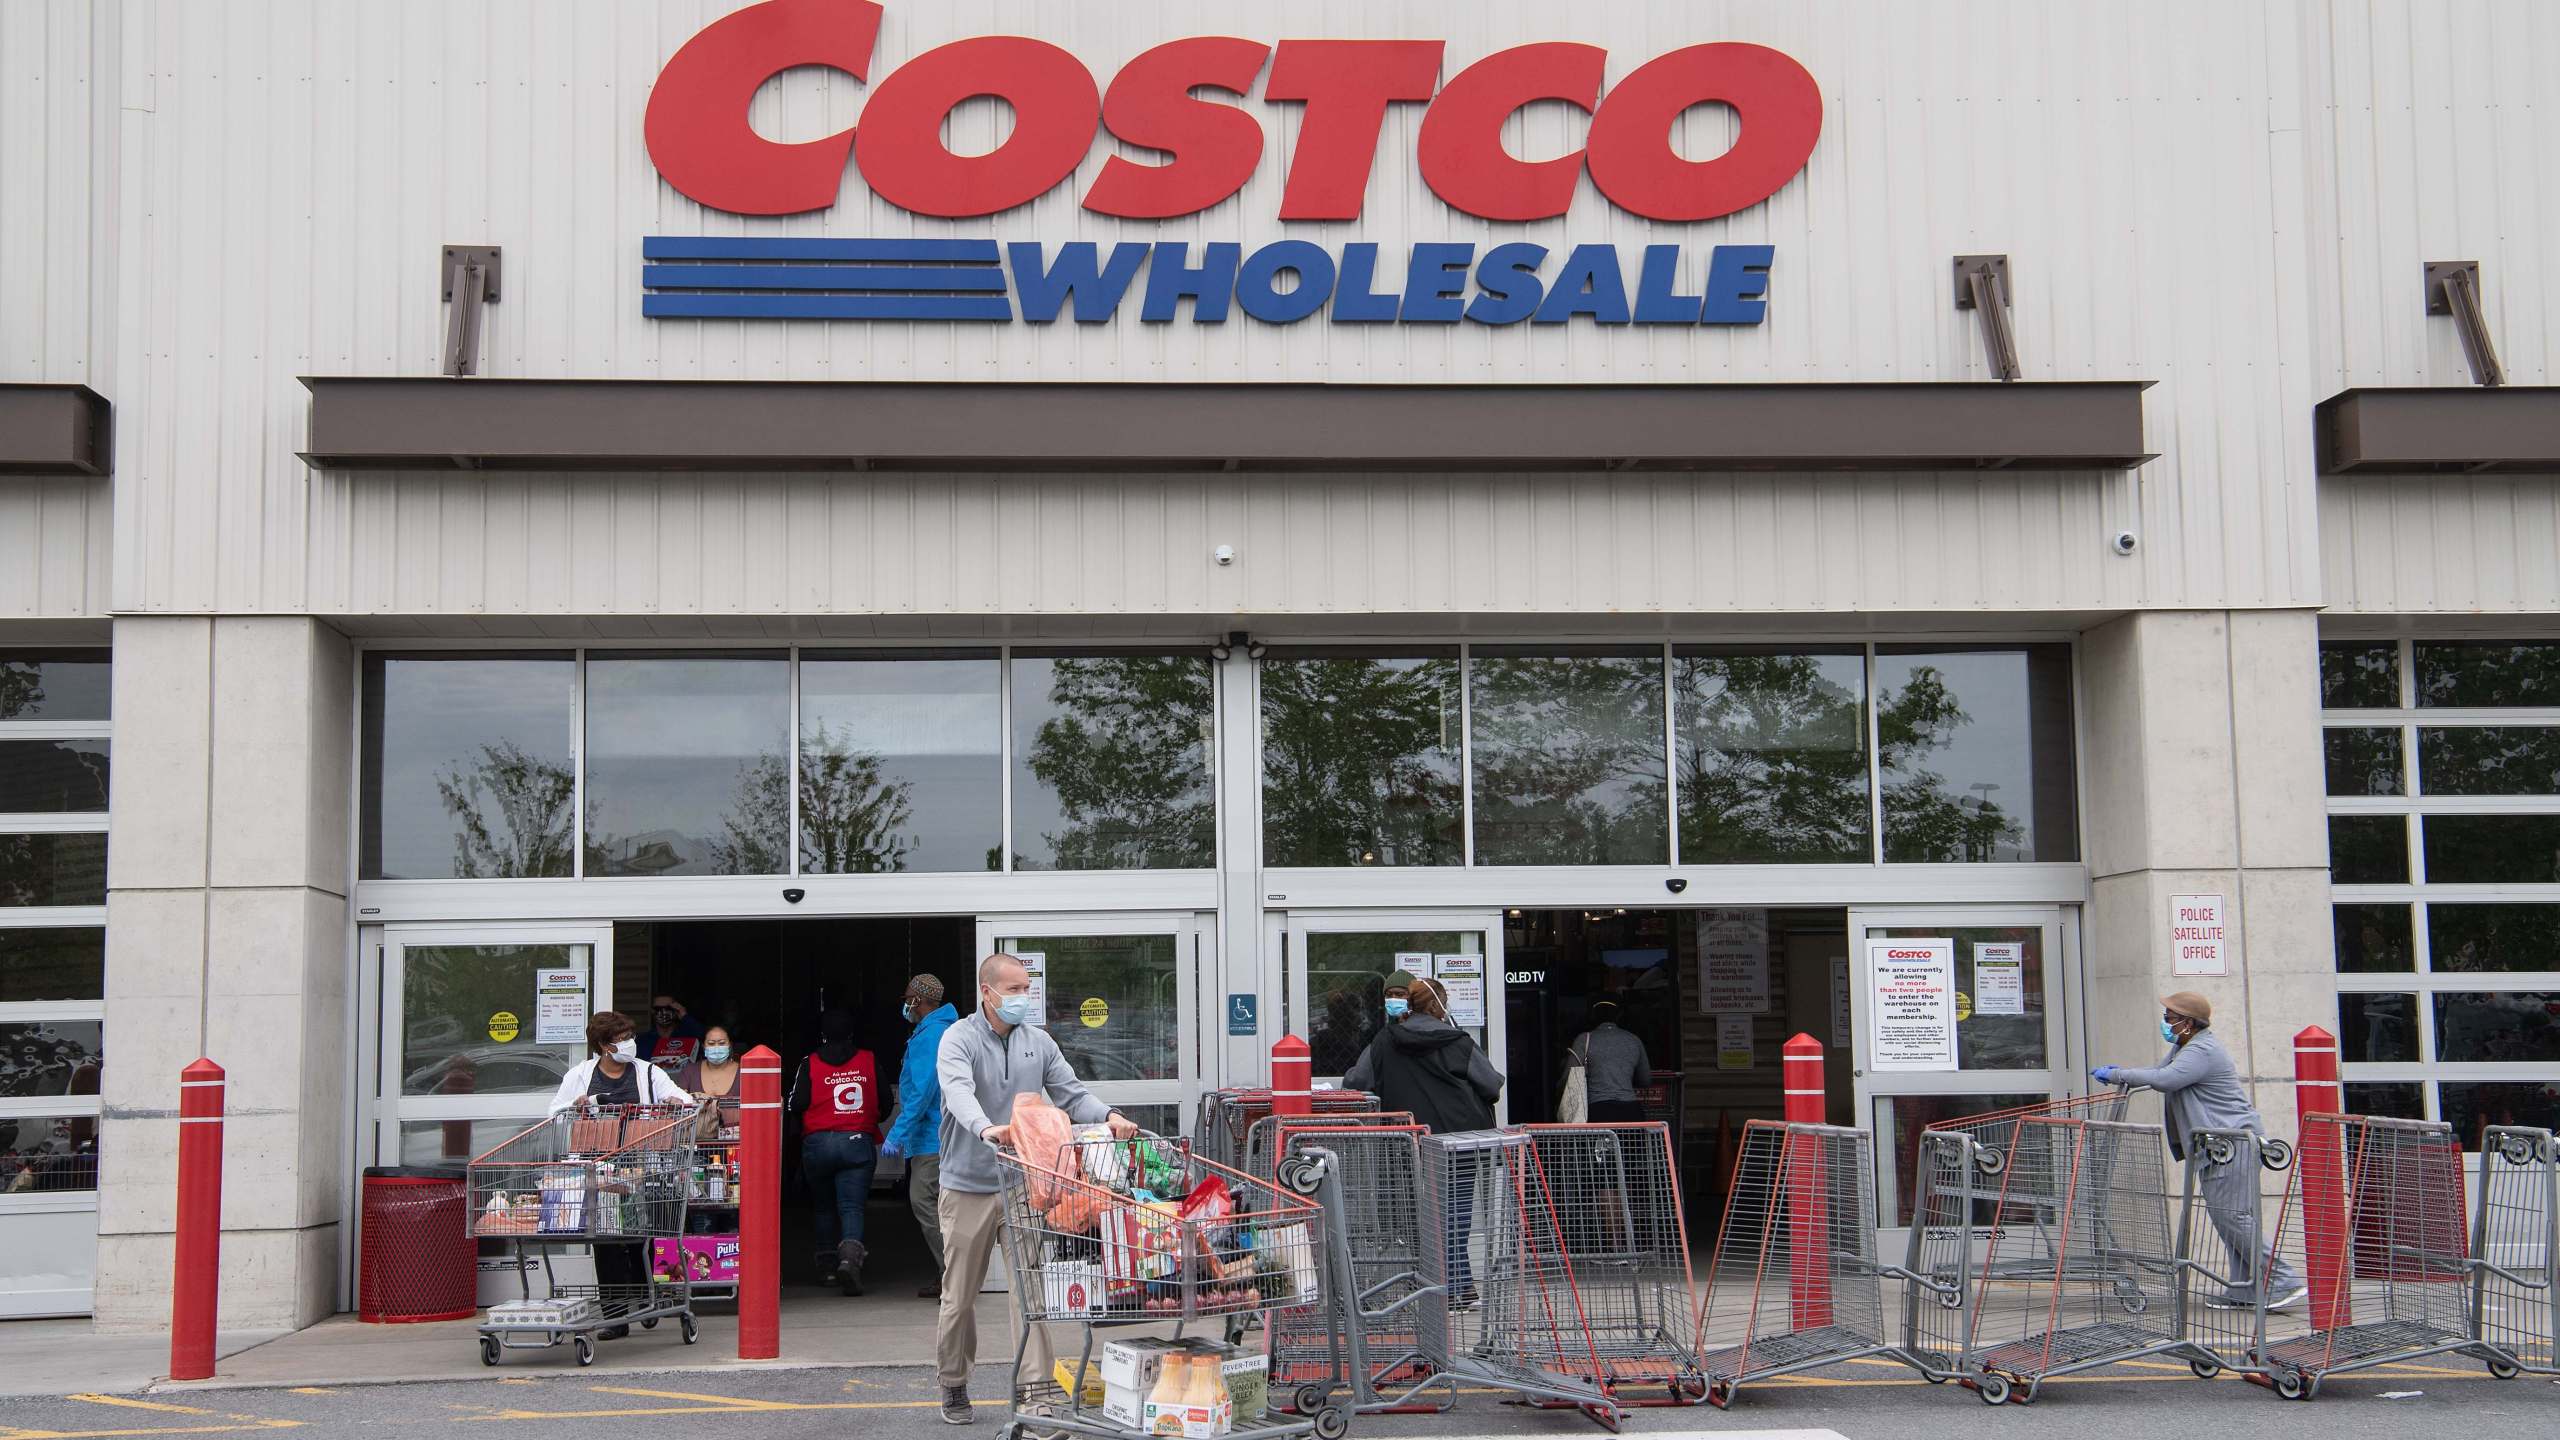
x=1210, y=106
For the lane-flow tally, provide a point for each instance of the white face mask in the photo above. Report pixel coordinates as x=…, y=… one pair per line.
x=625, y=1051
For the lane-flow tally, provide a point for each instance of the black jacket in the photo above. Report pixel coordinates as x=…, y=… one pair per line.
x=1431, y=1068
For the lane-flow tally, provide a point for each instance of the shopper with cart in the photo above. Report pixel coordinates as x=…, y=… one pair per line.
x=917, y=1131
x=2200, y=1090
x=614, y=1074
x=835, y=1098
x=985, y=1063
x=1422, y=1063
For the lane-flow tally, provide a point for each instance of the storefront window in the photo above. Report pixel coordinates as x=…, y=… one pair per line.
x=2488, y=674
x=467, y=766
x=2364, y=761
x=2487, y=760
x=2373, y=939
x=2483, y=939
x=467, y=1013
x=2474, y=1107
x=41, y=1059
x=2377, y=1027
x=1975, y=749
x=688, y=764
x=2360, y=675
x=1568, y=756
x=2392, y=1100
x=1772, y=757
x=53, y=777
x=53, y=684
x=901, y=762
x=2491, y=849
x=2498, y=1026
x=2368, y=850
x=40, y=966
x=1113, y=761
x=1115, y=1005
x=1347, y=986
x=53, y=869
x=2000, y=989
x=1360, y=759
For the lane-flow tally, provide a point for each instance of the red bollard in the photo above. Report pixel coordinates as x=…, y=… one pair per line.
x=1808, y=1243
x=2323, y=1179
x=1292, y=1077
x=195, y=1283
x=760, y=1214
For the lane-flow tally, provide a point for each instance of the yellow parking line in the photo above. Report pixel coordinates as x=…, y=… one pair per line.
x=136, y=1404
x=730, y=1400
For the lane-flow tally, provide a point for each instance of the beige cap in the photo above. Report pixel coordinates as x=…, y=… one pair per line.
x=2189, y=1004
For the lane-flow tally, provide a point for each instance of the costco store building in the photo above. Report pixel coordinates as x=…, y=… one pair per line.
x=1644, y=501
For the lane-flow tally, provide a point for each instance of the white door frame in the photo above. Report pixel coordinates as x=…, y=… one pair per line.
x=1297, y=925
x=1194, y=937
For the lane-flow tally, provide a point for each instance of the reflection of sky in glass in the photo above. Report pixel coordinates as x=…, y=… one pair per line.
x=1993, y=747
x=671, y=744
x=937, y=727
x=1036, y=811
x=53, y=685
x=436, y=715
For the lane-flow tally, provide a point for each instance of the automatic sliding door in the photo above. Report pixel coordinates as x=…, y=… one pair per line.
x=1122, y=1001
x=479, y=1026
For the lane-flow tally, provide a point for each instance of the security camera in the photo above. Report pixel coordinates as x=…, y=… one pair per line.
x=794, y=895
x=2125, y=541
x=1675, y=884
x=1225, y=554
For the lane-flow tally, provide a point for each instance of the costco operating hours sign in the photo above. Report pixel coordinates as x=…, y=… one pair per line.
x=1913, y=985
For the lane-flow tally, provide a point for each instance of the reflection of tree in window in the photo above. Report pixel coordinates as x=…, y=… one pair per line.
x=1360, y=762
x=1926, y=819
x=528, y=797
x=21, y=688
x=1773, y=765
x=2481, y=674
x=1127, y=759
x=1569, y=763
x=852, y=818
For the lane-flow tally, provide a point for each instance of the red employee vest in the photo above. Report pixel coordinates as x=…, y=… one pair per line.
x=843, y=1097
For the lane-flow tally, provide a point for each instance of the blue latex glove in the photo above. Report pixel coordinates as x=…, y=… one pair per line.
x=2104, y=1074
x=892, y=1149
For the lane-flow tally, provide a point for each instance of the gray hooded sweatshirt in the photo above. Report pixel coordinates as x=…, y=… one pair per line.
x=981, y=1074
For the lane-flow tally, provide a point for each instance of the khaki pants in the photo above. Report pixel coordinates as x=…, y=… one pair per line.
x=971, y=1227
x=924, y=1197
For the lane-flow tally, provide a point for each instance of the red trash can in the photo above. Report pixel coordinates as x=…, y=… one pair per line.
x=419, y=1262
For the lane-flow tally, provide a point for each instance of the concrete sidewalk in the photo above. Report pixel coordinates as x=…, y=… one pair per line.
x=61, y=1357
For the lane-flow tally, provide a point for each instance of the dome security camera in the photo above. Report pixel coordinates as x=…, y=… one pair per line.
x=2125, y=542
x=794, y=895
x=1675, y=884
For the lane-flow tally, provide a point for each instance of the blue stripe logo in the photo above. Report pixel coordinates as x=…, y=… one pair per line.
x=710, y=277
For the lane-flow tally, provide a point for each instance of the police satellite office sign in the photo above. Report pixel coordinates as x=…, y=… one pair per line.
x=1212, y=143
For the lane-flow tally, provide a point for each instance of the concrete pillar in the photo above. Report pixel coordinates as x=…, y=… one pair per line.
x=227, y=936
x=2203, y=776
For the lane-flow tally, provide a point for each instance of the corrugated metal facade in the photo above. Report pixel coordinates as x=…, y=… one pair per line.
x=57, y=277
x=2192, y=192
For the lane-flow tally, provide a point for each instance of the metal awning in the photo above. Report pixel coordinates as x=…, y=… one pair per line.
x=360, y=423
x=2440, y=430
x=55, y=430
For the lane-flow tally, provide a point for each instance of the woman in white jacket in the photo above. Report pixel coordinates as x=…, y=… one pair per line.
x=614, y=1074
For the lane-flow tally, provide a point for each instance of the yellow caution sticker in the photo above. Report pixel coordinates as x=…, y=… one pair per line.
x=502, y=1026
x=1964, y=1006
x=1095, y=1012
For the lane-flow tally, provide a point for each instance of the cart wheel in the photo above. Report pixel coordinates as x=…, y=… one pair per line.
x=2205, y=1369
x=1950, y=1299
x=1332, y=1423
x=2504, y=1370
x=1994, y=1389
x=2275, y=1155
x=1990, y=1162
x=1689, y=1388
x=1301, y=1174
x=1720, y=1394
x=586, y=1350
x=649, y=1324
x=2135, y=1303
x=488, y=1349
x=1312, y=1399
x=1933, y=1377
x=692, y=1332
x=2290, y=1386
x=2217, y=1150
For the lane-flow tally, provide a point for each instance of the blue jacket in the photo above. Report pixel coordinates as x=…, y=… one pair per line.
x=918, y=1130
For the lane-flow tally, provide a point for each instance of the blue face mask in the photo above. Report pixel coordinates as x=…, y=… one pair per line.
x=2168, y=1032
x=716, y=1054
x=1015, y=1009
x=1396, y=1009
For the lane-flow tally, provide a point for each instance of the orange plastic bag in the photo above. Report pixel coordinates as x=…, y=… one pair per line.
x=1040, y=1132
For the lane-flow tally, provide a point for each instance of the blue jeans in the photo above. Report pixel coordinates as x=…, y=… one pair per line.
x=839, y=1167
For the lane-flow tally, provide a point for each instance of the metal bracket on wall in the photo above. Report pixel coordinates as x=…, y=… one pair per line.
x=1982, y=286
x=470, y=281
x=2453, y=288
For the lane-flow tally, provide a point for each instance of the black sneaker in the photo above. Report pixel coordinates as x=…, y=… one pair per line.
x=955, y=1406
x=614, y=1332
x=826, y=1267
x=849, y=1257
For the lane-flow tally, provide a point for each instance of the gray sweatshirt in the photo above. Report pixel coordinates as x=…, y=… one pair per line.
x=981, y=1073
x=2199, y=1090
x=1614, y=1064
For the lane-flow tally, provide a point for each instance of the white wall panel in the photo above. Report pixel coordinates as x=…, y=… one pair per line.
x=298, y=163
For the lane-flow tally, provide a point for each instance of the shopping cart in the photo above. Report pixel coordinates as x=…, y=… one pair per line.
x=2375, y=1208
x=1220, y=1128
x=1794, y=1284
x=592, y=1176
x=1503, y=1308
x=2516, y=1249
x=2229, y=1251
x=1364, y=1340
x=1111, y=1233
x=1265, y=1137
x=1616, y=1192
x=2079, y=1227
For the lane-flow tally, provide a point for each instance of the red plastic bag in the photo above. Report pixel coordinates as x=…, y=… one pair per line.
x=1041, y=1136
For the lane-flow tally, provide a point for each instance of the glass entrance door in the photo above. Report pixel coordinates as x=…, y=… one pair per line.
x=479, y=1026
x=1955, y=1012
x=1122, y=999
x=1338, y=968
